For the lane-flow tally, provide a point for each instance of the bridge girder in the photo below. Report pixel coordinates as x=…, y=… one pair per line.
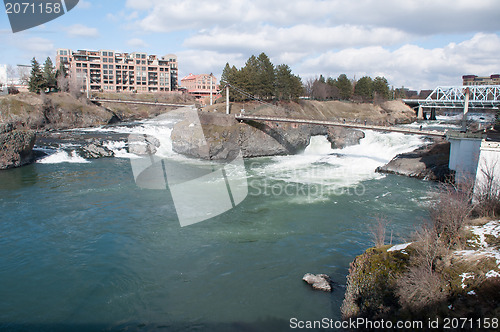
x=480, y=96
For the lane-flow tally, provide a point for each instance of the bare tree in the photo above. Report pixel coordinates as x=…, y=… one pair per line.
x=378, y=231
x=24, y=75
x=420, y=289
x=11, y=75
x=487, y=189
x=428, y=248
x=451, y=210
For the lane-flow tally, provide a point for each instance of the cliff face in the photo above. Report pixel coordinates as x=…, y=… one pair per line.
x=16, y=147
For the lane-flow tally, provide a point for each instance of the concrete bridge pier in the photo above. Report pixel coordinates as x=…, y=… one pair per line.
x=433, y=114
x=420, y=113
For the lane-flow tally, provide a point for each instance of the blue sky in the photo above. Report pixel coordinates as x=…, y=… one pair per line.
x=416, y=44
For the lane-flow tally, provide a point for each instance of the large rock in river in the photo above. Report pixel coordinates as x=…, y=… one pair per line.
x=429, y=162
x=220, y=137
x=16, y=146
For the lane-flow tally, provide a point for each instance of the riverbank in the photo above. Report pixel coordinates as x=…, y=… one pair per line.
x=390, y=283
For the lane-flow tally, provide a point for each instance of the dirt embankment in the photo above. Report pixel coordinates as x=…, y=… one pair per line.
x=386, y=113
x=63, y=111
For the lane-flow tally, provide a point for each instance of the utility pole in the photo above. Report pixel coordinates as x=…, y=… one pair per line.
x=466, y=109
x=227, y=99
x=87, y=80
x=211, y=89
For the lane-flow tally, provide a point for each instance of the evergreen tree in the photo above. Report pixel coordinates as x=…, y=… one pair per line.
x=49, y=75
x=230, y=75
x=250, y=76
x=287, y=86
x=363, y=88
x=345, y=87
x=266, y=77
x=226, y=75
x=380, y=88
x=36, y=80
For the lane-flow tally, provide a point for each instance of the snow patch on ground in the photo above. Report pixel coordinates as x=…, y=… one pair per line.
x=491, y=228
x=399, y=247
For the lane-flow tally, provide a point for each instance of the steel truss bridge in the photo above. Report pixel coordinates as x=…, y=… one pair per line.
x=480, y=97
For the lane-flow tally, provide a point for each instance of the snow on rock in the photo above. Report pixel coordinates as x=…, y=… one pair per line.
x=399, y=247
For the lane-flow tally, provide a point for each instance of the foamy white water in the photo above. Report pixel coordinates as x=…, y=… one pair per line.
x=63, y=157
x=322, y=165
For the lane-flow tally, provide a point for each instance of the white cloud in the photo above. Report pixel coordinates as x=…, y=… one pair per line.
x=412, y=16
x=411, y=65
x=296, y=38
x=80, y=30
x=137, y=43
x=84, y=4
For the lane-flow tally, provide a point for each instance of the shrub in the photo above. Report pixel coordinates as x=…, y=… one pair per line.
x=420, y=289
x=450, y=212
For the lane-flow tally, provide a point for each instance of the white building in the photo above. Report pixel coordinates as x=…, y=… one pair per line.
x=488, y=170
x=3, y=79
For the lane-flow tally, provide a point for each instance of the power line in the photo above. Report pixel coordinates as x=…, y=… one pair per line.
x=249, y=95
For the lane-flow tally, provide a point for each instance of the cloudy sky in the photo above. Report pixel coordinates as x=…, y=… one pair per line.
x=418, y=44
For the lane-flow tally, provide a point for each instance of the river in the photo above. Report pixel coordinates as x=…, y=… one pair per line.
x=84, y=248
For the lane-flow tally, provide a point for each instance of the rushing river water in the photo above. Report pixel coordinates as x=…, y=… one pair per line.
x=82, y=247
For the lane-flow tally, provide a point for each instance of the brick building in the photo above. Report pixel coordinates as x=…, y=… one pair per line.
x=477, y=80
x=199, y=85
x=111, y=71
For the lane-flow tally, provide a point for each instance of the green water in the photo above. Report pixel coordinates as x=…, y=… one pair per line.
x=82, y=248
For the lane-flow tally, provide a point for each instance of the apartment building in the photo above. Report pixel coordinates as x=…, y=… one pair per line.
x=477, y=80
x=110, y=71
x=200, y=86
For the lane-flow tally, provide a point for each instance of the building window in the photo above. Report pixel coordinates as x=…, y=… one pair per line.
x=105, y=53
x=105, y=60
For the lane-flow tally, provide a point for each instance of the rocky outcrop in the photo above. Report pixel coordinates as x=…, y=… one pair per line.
x=344, y=137
x=143, y=144
x=95, y=151
x=429, y=162
x=318, y=281
x=220, y=137
x=16, y=146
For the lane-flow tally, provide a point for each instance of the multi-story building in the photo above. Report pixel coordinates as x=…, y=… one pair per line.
x=110, y=71
x=485, y=80
x=200, y=86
